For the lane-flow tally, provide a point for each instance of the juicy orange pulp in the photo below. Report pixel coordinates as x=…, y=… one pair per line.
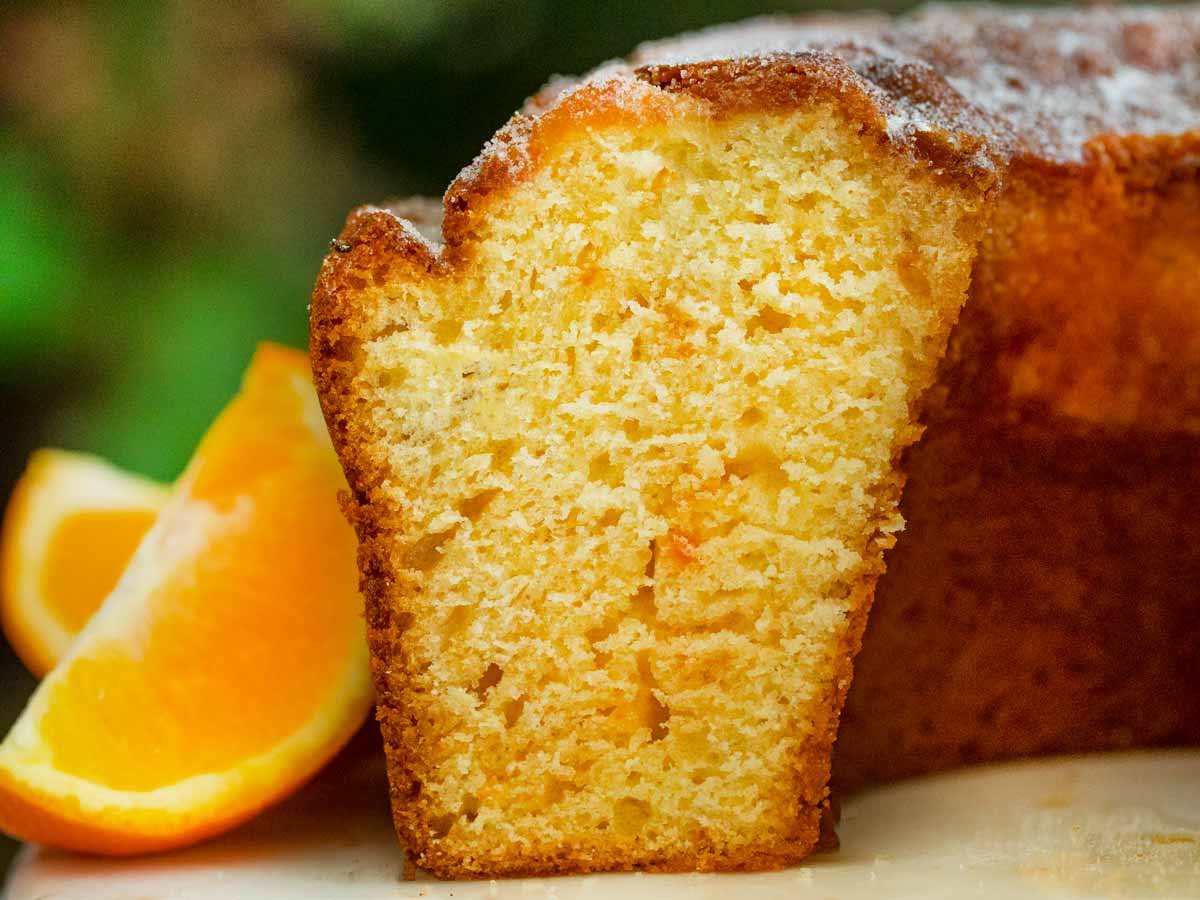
x=74, y=588
x=72, y=524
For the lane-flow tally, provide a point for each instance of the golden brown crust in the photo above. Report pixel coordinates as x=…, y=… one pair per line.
x=370, y=248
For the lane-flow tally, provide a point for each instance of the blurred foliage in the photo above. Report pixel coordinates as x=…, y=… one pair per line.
x=171, y=170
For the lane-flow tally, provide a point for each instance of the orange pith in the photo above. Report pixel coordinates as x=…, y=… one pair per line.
x=228, y=663
x=73, y=588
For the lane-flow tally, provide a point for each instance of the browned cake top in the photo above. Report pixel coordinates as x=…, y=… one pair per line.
x=1037, y=82
x=966, y=88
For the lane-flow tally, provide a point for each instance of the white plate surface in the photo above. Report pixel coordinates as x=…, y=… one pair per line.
x=1115, y=825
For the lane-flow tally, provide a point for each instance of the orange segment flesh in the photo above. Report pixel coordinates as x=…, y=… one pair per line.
x=72, y=591
x=203, y=611
x=72, y=524
x=228, y=664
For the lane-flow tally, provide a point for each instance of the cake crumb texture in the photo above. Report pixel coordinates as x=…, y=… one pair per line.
x=624, y=467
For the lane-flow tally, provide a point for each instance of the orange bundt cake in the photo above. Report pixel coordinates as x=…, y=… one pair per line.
x=624, y=437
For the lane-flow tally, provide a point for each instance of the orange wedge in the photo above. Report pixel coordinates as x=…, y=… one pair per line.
x=228, y=663
x=72, y=524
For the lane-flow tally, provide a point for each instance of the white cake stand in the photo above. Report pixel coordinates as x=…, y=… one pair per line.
x=1115, y=825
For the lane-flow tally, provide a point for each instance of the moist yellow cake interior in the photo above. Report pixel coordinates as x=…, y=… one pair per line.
x=643, y=439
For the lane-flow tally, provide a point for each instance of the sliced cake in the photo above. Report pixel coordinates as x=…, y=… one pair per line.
x=623, y=452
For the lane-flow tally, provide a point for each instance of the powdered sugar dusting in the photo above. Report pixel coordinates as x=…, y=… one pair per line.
x=1059, y=78
x=998, y=81
x=1039, y=81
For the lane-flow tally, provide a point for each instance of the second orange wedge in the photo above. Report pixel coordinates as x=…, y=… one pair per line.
x=229, y=661
x=71, y=526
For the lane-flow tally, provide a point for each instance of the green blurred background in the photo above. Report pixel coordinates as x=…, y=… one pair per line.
x=171, y=174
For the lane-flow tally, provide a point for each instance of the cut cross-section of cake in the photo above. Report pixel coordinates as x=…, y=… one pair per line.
x=623, y=452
